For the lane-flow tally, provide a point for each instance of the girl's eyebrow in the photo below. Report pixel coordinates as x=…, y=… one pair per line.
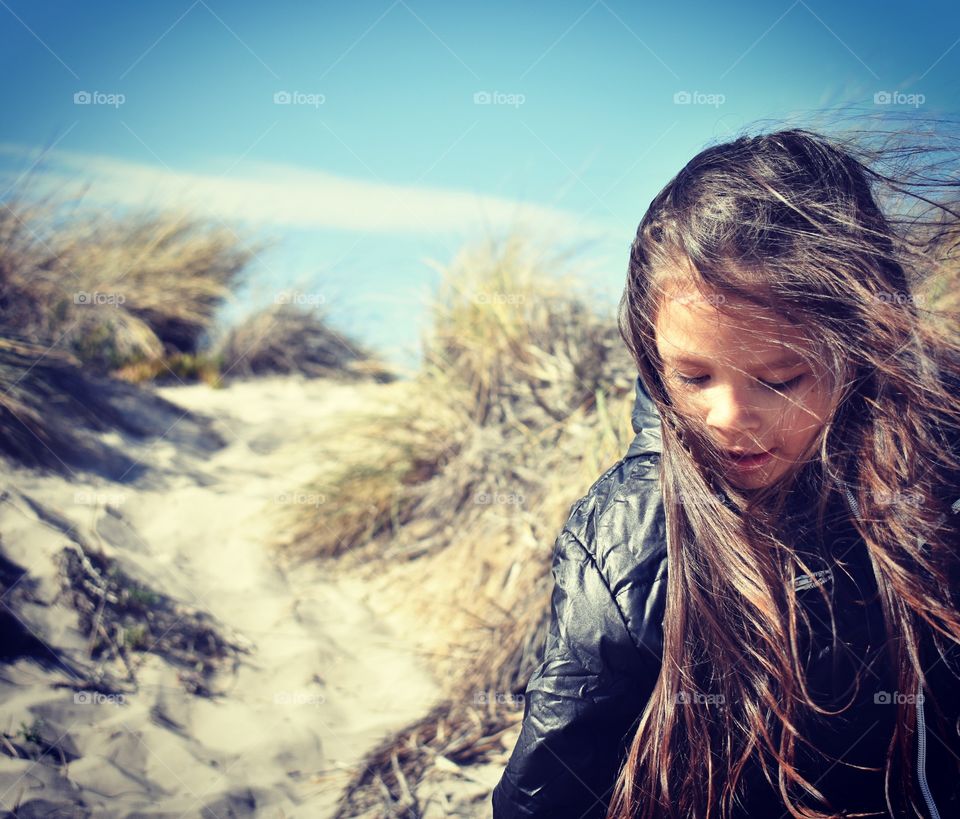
x=780, y=363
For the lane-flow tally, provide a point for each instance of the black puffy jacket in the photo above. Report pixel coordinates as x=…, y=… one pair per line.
x=604, y=647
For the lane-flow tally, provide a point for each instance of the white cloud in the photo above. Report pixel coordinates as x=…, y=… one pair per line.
x=274, y=194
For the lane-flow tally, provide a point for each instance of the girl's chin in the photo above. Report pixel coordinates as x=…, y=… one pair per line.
x=757, y=479
x=751, y=480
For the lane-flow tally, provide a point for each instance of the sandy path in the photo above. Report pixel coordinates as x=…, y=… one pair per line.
x=325, y=680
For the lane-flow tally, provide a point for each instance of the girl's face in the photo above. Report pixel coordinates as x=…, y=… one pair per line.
x=750, y=380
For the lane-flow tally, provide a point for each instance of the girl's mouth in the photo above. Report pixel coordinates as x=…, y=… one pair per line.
x=743, y=463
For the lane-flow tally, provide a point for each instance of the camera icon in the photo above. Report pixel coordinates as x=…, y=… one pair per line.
x=82, y=98
x=882, y=698
x=482, y=98
x=282, y=98
x=682, y=98
x=882, y=98
x=81, y=697
x=81, y=298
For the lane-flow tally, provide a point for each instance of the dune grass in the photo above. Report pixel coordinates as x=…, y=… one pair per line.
x=113, y=289
x=510, y=357
x=457, y=486
x=288, y=338
x=88, y=294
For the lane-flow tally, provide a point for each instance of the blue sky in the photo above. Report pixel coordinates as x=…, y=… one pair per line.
x=367, y=139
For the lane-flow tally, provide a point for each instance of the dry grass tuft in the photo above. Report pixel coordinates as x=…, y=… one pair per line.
x=513, y=356
x=114, y=290
x=287, y=338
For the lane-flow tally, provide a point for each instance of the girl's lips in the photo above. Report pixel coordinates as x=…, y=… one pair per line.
x=747, y=462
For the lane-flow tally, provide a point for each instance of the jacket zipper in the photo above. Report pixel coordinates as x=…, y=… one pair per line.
x=922, y=756
x=921, y=720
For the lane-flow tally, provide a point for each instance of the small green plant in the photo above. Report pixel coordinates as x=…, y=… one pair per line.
x=177, y=367
x=190, y=367
x=137, y=637
x=97, y=347
x=142, y=597
x=31, y=733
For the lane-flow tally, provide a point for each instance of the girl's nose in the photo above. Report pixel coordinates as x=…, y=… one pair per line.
x=732, y=413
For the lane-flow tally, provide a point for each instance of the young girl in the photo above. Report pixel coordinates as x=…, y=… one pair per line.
x=755, y=611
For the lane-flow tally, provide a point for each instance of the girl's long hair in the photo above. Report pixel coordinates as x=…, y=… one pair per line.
x=841, y=236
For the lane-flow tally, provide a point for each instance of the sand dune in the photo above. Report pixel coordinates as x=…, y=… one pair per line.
x=312, y=680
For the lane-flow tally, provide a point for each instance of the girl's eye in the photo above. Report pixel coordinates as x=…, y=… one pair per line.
x=785, y=385
x=686, y=379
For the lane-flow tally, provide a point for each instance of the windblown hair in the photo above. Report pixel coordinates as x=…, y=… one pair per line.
x=837, y=236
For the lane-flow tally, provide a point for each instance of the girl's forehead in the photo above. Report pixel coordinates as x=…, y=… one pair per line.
x=710, y=310
x=698, y=324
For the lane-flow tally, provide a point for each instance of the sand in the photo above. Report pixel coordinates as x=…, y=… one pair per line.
x=323, y=679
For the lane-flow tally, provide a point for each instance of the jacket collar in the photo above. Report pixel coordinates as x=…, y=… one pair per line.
x=646, y=424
